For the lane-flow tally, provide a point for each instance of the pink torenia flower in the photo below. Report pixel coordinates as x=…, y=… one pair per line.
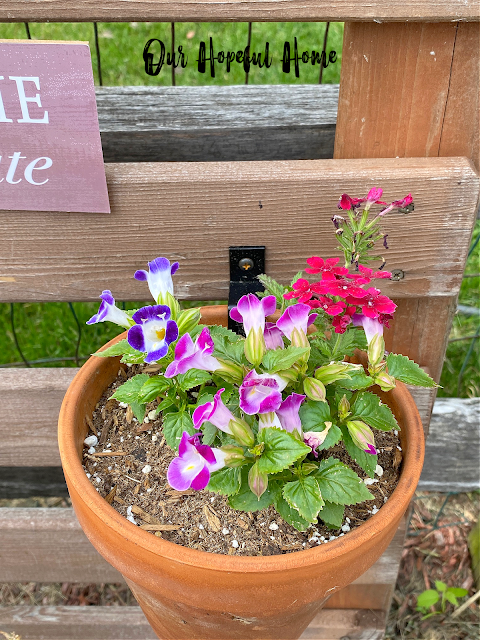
x=373, y=303
x=362, y=436
x=193, y=356
x=295, y=317
x=288, y=414
x=194, y=464
x=314, y=439
x=261, y=393
x=273, y=336
x=371, y=326
x=215, y=412
x=252, y=311
x=328, y=266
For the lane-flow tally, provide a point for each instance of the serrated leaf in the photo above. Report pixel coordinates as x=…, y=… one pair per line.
x=296, y=277
x=174, y=424
x=209, y=431
x=333, y=437
x=332, y=514
x=193, y=378
x=154, y=387
x=228, y=345
x=408, y=371
x=339, y=484
x=272, y=288
x=117, y=349
x=136, y=357
x=428, y=599
x=227, y=481
x=246, y=500
x=304, y=496
x=313, y=415
x=290, y=515
x=367, y=461
x=277, y=359
x=281, y=450
x=440, y=586
x=367, y=407
x=129, y=392
x=164, y=404
x=358, y=380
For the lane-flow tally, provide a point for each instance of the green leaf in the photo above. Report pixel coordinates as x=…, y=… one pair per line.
x=290, y=515
x=227, y=481
x=136, y=357
x=367, y=407
x=367, y=461
x=332, y=514
x=246, y=500
x=209, y=433
x=281, y=450
x=313, y=415
x=440, y=586
x=117, y=349
x=277, y=359
x=451, y=598
x=304, y=496
x=458, y=592
x=129, y=392
x=154, y=387
x=273, y=288
x=228, y=345
x=334, y=435
x=339, y=484
x=164, y=404
x=358, y=380
x=428, y=599
x=404, y=369
x=193, y=378
x=296, y=277
x=174, y=424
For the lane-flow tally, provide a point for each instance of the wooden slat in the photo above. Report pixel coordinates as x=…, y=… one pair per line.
x=48, y=545
x=237, y=122
x=129, y=623
x=235, y=10
x=194, y=212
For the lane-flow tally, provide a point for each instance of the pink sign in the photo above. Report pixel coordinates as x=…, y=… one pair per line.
x=50, y=149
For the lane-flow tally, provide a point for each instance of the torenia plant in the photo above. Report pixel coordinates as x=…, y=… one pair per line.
x=255, y=418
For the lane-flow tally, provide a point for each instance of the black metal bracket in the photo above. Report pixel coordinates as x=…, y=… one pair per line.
x=246, y=263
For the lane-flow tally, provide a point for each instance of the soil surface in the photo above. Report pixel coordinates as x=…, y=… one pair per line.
x=128, y=468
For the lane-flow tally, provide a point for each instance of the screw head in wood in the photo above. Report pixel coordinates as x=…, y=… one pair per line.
x=397, y=274
x=246, y=264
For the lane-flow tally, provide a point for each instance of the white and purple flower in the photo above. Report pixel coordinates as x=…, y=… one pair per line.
x=193, y=356
x=109, y=312
x=194, y=464
x=153, y=331
x=261, y=393
x=158, y=278
x=220, y=416
x=294, y=322
x=288, y=414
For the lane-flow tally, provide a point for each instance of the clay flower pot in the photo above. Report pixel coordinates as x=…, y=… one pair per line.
x=189, y=594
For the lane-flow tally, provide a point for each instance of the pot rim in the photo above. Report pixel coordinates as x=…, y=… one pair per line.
x=393, y=509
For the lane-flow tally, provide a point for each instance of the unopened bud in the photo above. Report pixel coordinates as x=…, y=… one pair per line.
x=188, y=320
x=289, y=375
x=314, y=389
x=343, y=408
x=234, y=455
x=336, y=371
x=241, y=432
x=385, y=381
x=362, y=436
x=255, y=346
x=299, y=339
x=230, y=371
x=171, y=302
x=376, y=349
x=257, y=481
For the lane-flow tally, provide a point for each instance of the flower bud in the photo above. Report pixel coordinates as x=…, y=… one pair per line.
x=234, y=455
x=255, y=346
x=168, y=299
x=299, y=339
x=316, y=438
x=288, y=375
x=336, y=371
x=257, y=481
x=385, y=381
x=188, y=320
x=230, y=371
x=314, y=389
x=343, y=408
x=241, y=432
x=362, y=436
x=376, y=349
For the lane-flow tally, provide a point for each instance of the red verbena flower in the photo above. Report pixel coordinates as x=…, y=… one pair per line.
x=373, y=303
x=330, y=307
x=328, y=266
x=338, y=287
x=340, y=323
x=301, y=290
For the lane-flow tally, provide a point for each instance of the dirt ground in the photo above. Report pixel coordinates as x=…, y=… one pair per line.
x=435, y=549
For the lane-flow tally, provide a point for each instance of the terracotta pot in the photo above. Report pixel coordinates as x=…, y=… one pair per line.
x=189, y=594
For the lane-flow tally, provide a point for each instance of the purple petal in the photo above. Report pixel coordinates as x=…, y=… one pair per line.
x=293, y=317
x=201, y=480
x=201, y=413
x=371, y=449
x=185, y=446
x=182, y=471
x=140, y=275
x=288, y=412
x=206, y=452
x=311, y=318
x=204, y=342
x=158, y=265
x=174, y=268
x=153, y=356
x=153, y=312
x=107, y=297
x=269, y=304
x=136, y=338
x=235, y=315
x=171, y=333
x=184, y=347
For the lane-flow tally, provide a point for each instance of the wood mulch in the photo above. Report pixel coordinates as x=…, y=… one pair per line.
x=128, y=468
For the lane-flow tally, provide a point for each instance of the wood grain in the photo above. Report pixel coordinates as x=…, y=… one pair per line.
x=235, y=10
x=192, y=212
x=237, y=122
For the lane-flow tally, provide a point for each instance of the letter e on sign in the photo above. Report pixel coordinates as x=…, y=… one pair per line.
x=50, y=149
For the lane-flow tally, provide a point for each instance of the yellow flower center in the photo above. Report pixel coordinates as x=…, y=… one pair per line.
x=160, y=333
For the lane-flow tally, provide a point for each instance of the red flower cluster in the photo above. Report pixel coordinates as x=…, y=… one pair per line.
x=340, y=294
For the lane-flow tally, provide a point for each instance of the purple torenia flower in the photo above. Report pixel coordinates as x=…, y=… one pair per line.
x=193, y=356
x=261, y=393
x=362, y=436
x=109, y=312
x=153, y=331
x=158, y=277
x=315, y=438
x=252, y=311
x=194, y=464
x=371, y=326
x=288, y=413
x=273, y=336
x=220, y=416
x=294, y=321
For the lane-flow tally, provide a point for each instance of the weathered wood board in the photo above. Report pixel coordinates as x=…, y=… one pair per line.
x=236, y=10
x=217, y=123
x=193, y=213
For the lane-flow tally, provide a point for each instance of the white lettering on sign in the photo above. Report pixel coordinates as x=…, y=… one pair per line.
x=29, y=169
x=24, y=100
